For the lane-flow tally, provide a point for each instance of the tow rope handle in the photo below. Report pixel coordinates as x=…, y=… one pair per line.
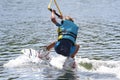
x=55, y=12
x=50, y=9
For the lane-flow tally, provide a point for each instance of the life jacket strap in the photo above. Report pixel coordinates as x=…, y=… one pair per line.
x=68, y=33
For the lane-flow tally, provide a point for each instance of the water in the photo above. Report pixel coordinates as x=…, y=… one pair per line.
x=26, y=24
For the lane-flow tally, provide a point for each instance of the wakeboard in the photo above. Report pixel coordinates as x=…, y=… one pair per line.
x=33, y=54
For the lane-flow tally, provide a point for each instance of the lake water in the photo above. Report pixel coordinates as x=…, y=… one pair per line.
x=27, y=24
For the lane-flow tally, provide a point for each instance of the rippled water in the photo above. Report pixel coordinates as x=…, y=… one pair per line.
x=26, y=24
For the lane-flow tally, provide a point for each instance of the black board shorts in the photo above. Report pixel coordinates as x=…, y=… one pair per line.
x=63, y=47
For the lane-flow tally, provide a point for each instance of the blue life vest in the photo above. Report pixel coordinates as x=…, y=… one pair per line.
x=68, y=30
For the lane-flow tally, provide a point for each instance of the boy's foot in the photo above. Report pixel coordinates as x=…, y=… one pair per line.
x=69, y=63
x=44, y=54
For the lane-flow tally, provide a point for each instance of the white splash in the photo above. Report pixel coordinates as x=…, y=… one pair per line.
x=58, y=61
x=98, y=66
x=19, y=61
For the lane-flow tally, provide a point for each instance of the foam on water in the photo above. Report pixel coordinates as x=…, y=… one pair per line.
x=110, y=68
x=23, y=59
x=58, y=61
x=19, y=61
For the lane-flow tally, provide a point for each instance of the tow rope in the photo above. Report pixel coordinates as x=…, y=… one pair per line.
x=49, y=8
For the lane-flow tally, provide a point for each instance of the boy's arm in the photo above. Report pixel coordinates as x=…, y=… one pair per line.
x=53, y=18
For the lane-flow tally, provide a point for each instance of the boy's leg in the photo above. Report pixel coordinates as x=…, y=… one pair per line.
x=76, y=50
x=50, y=46
x=69, y=63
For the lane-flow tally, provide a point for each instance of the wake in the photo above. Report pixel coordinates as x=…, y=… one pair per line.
x=84, y=65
